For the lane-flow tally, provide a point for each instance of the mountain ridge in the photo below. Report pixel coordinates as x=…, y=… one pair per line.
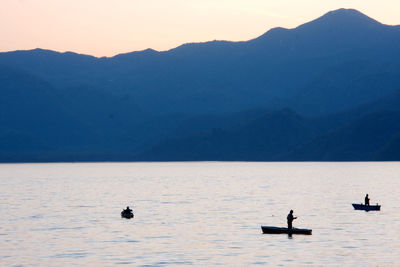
x=124, y=105
x=338, y=14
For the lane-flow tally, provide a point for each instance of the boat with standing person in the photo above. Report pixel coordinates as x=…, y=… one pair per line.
x=289, y=230
x=366, y=206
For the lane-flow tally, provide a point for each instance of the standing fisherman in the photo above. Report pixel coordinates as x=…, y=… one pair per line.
x=290, y=219
x=366, y=200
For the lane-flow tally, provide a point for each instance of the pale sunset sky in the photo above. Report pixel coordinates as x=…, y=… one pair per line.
x=110, y=27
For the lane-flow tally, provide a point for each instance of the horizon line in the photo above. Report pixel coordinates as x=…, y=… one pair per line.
x=190, y=43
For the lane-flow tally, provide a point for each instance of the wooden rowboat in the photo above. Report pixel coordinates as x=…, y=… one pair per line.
x=284, y=230
x=127, y=214
x=366, y=207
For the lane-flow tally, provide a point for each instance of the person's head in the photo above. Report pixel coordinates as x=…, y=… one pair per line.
x=127, y=207
x=367, y=194
x=291, y=211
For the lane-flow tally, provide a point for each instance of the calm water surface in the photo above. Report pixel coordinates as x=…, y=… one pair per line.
x=202, y=214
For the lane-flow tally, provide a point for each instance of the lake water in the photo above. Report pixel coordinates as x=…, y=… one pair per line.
x=202, y=214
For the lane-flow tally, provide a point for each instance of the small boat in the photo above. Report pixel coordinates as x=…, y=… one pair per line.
x=127, y=214
x=366, y=207
x=284, y=230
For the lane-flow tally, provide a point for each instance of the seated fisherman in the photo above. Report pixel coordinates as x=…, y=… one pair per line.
x=128, y=209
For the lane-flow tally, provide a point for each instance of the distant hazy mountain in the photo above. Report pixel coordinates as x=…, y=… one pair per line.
x=371, y=137
x=212, y=100
x=33, y=107
x=343, y=55
x=368, y=132
x=264, y=137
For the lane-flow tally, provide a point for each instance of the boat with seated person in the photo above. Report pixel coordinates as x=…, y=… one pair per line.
x=127, y=213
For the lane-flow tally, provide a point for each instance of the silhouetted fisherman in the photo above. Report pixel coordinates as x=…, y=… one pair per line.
x=366, y=200
x=128, y=210
x=290, y=219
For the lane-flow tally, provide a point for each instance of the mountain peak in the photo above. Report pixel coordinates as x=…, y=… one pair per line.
x=343, y=19
x=346, y=16
x=344, y=12
x=348, y=20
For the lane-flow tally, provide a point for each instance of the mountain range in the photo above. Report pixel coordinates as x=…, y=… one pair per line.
x=326, y=90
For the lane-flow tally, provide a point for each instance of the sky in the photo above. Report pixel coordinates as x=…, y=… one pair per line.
x=110, y=27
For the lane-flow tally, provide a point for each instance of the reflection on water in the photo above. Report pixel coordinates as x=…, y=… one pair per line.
x=202, y=214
